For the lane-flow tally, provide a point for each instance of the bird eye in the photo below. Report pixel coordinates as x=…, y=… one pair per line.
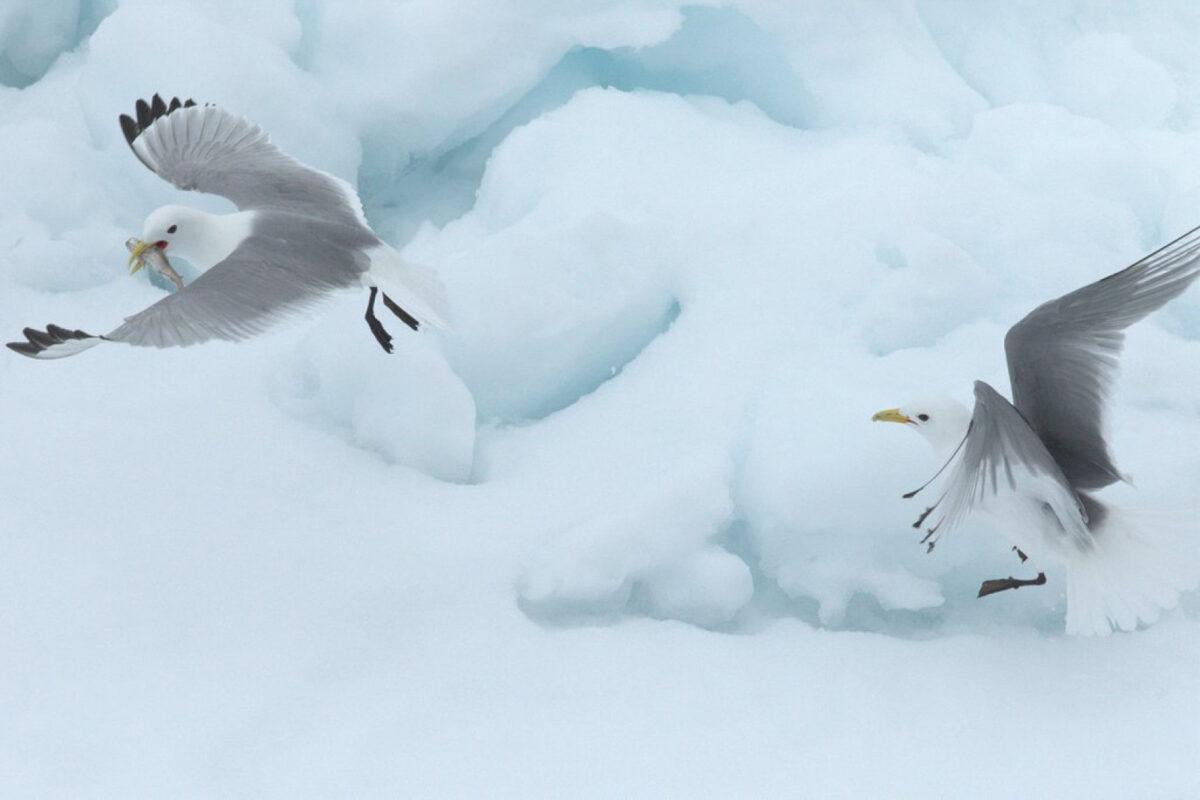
x=923, y=417
x=172, y=229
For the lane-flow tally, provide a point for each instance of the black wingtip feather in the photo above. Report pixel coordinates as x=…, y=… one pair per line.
x=24, y=348
x=40, y=341
x=147, y=113
x=63, y=334
x=129, y=127
x=39, y=338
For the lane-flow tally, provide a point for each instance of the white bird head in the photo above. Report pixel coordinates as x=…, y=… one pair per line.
x=942, y=421
x=179, y=231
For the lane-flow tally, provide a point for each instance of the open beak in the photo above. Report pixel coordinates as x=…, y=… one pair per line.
x=891, y=415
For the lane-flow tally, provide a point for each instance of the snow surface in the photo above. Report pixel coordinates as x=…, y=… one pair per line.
x=628, y=531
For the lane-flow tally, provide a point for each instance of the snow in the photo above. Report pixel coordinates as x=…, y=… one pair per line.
x=627, y=530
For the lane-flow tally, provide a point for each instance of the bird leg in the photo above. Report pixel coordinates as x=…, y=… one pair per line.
x=928, y=539
x=924, y=515
x=381, y=335
x=1020, y=555
x=1001, y=584
x=405, y=317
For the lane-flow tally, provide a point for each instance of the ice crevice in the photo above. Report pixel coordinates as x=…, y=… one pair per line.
x=716, y=51
x=34, y=33
x=572, y=365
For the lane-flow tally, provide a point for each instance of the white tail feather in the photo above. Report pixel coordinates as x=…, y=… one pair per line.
x=1137, y=570
x=416, y=289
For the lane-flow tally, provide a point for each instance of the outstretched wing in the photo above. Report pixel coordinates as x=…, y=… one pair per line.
x=1062, y=357
x=1001, y=455
x=208, y=149
x=275, y=272
x=262, y=281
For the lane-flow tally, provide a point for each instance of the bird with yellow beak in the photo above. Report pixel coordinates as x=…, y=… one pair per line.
x=298, y=235
x=1033, y=465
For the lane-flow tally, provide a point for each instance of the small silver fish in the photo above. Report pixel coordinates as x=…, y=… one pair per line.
x=142, y=252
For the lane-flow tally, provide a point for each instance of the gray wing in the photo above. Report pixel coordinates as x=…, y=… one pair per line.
x=208, y=149
x=272, y=274
x=1002, y=455
x=285, y=266
x=1062, y=357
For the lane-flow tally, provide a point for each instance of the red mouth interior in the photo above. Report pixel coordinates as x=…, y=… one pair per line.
x=161, y=244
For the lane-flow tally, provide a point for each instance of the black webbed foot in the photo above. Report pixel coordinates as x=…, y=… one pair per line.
x=1003, y=584
x=381, y=335
x=1020, y=555
x=405, y=317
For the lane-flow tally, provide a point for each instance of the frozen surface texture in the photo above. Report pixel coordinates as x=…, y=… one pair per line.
x=628, y=530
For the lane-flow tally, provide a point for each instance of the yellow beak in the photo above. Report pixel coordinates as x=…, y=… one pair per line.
x=890, y=415
x=136, y=261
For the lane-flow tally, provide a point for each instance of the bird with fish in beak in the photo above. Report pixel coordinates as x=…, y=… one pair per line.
x=141, y=252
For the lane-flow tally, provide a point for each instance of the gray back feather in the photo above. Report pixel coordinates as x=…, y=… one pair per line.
x=1063, y=356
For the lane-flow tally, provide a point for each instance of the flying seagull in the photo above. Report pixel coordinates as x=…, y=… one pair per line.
x=1032, y=465
x=298, y=234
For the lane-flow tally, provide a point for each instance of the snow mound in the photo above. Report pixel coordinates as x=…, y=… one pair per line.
x=655, y=556
x=409, y=408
